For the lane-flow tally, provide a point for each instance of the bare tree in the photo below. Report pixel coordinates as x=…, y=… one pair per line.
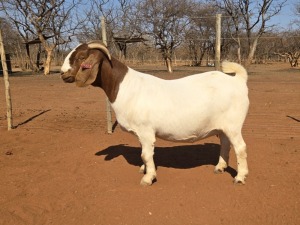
x=233, y=10
x=93, y=11
x=20, y=38
x=291, y=56
x=13, y=43
x=119, y=17
x=201, y=32
x=164, y=21
x=251, y=18
x=48, y=21
x=290, y=47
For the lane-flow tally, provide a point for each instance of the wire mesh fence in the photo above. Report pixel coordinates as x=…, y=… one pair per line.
x=45, y=102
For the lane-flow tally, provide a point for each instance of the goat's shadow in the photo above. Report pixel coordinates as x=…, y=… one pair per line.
x=179, y=157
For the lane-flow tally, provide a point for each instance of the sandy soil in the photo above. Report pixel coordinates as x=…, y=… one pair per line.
x=59, y=166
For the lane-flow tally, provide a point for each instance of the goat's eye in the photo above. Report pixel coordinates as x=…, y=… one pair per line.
x=80, y=58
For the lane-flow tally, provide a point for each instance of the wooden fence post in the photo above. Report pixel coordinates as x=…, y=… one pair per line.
x=218, y=43
x=6, y=83
x=108, y=107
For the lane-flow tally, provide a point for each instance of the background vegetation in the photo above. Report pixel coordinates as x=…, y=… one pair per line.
x=39, y=33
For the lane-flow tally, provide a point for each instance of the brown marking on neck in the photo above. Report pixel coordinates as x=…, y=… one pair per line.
x=110, y=75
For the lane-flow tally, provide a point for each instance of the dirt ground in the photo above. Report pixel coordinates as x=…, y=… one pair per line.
x=59, y=166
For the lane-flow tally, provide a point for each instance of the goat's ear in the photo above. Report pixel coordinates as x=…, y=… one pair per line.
x=88, y=70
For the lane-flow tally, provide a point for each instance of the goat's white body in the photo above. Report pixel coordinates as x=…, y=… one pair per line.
x=185, y=109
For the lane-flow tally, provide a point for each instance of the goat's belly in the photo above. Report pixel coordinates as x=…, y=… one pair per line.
x=186, y=127
x=181, y=136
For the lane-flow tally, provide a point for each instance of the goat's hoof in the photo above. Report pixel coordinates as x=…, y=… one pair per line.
x=147, y=180
x=239, y=181
x=145, y=183
x=220, y=168
x=219, y=171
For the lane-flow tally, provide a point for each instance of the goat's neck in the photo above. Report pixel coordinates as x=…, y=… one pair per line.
x=110, y=76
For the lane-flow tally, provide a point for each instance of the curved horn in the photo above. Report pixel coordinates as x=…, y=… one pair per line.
x=100, y=46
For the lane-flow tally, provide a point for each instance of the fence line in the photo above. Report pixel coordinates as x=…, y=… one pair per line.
x=160, y=62
x=212, y=39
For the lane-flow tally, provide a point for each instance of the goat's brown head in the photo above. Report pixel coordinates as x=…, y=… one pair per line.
x=82, y=64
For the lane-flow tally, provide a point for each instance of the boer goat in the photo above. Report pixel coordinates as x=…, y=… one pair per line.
x=186, y=109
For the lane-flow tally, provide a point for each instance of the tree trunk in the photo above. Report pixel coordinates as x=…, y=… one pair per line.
x=252, y=49
x=32, y=66
x=38, y=57
x=239, y=51
x=49, y=49
x=169, y=64
x=167, y=54
x=193, y=54
x=48, y=62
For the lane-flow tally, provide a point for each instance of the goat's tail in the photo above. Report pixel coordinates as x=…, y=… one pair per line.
x=239, y=70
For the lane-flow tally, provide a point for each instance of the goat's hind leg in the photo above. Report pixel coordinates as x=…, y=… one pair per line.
x=224, y=154
x=241, y=154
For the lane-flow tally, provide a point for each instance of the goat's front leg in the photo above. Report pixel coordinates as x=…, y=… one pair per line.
x=147, y=157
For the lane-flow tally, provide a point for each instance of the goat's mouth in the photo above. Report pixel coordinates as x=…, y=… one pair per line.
x=67, y=78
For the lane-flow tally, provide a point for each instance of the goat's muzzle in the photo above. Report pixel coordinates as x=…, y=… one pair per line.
x=67, y=77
